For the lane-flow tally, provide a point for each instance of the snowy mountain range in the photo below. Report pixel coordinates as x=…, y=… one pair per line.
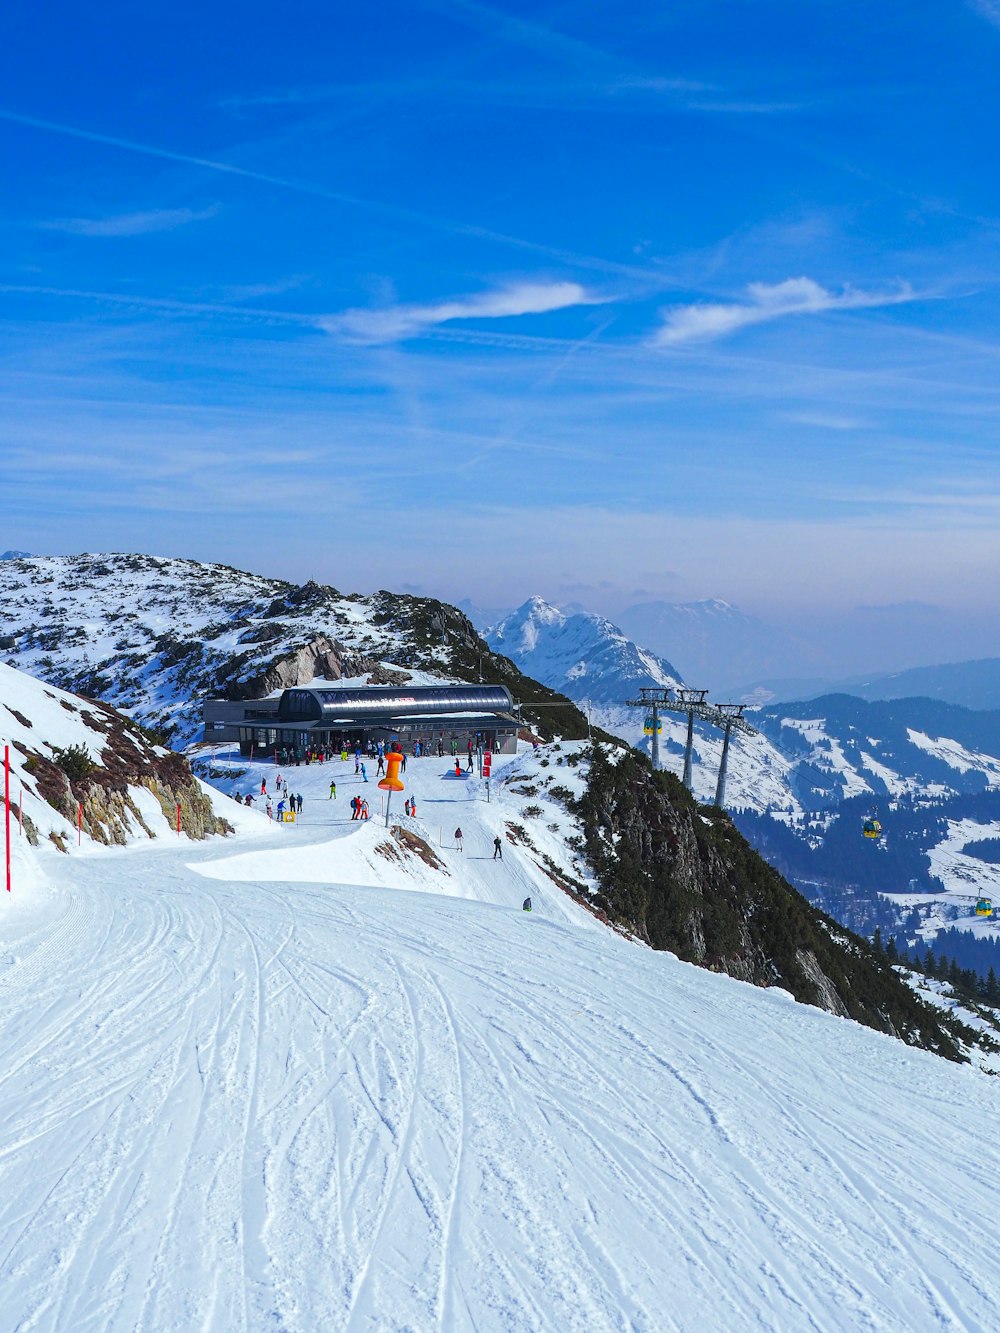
x=803, y=785
x=153, y=636
x=581, y=654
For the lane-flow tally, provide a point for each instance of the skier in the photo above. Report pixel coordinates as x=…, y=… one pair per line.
x=406, y=806
x=497, y=848
x=298, y=803
x=526, y=905
x=270, y=812
x=355, y=807
x=413, y=806
x=357, y=762
x=263, y=786
x=364, y=774
x=458, y=769
x=381, y=765
x=333, y=792
x=281, y=810
x=458, y=838
x=468, y=766
x=364, y=809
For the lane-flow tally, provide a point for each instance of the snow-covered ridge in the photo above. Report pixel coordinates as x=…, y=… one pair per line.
x=154, y=636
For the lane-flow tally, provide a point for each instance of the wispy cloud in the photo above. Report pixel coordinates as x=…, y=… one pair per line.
x=131, y=224
x=825, y=420
x=705, y=321
x=395, y=323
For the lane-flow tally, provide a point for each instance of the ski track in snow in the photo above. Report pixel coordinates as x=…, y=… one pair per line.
x=238, y=1103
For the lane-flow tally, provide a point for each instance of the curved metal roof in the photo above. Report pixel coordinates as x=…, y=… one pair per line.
x=331, y=705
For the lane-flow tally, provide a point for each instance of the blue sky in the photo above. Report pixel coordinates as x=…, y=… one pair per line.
x=608, y=302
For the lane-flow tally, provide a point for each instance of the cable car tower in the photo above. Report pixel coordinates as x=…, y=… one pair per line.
x=730, y=719
x=693, y=703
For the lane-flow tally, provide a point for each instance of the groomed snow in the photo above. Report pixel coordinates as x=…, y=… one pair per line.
x=237, y=1095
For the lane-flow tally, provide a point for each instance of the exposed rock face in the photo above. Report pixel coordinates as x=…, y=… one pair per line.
x=828, y=997
x=321, y=657
x=107, y=808
x=681, y=877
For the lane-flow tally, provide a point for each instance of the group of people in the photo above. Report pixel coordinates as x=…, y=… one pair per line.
x=359, y=808
x=286, y=802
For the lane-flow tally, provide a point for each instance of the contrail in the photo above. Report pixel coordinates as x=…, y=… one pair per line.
x=393, y=211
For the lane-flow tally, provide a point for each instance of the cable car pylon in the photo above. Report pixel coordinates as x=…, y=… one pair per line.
x=693, y=703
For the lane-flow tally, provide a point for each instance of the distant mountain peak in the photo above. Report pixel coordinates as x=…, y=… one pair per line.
x=580, y=653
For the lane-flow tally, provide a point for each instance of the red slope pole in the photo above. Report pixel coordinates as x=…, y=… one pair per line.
x=6, y=805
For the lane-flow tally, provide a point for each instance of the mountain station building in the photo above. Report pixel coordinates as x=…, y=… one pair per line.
x=309, y=718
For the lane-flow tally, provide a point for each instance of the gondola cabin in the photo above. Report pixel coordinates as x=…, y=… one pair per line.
x=651, y=725
x=871, y=828
x=984, y=907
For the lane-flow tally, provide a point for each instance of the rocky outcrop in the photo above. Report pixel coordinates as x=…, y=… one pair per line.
x=681, y=877
x=102, y=796
x=320, y=657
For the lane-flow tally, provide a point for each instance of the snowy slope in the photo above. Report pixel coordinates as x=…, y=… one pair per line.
x=239, y=1093
x=580, y=654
